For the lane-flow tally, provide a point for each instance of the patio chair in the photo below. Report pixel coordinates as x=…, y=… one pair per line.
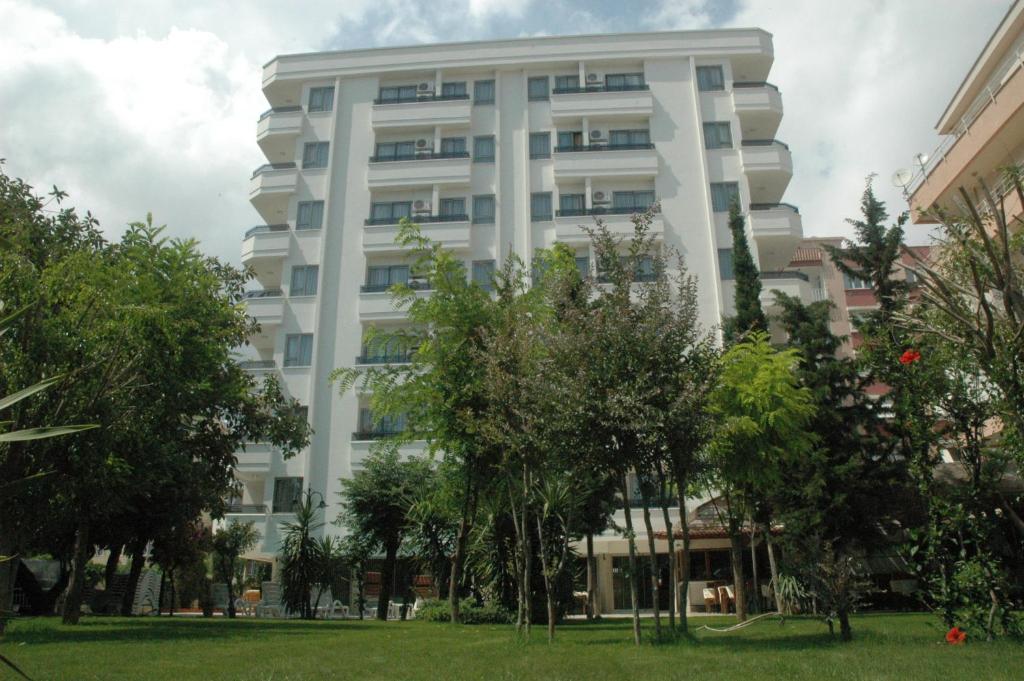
x=370, y=610
x=726, y=597
x=271, y=604
x=327, y=605
x=710, y=599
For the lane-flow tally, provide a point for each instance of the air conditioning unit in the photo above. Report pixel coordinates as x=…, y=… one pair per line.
x=596, y=135
x=599, y=197
x=422, y=143
x=426, y=87
x=593, y=78
x=421, y=206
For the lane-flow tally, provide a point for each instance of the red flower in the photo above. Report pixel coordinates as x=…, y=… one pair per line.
x=909, y=357
x=956, y=636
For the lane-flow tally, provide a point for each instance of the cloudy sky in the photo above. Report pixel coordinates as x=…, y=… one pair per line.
x=151, y=105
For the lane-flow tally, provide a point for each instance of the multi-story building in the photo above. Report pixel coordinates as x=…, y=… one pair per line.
x=983, y=125
x=490, y=146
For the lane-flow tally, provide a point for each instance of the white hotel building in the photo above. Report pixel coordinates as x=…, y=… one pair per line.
x=488, y=145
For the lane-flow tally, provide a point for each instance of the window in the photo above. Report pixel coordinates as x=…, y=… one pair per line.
x=401, y=93
x=851, y=283
x=717, y=135
x=540, y=206
x=483, y=148
x=483, y=92
x=304, y=280
x=644, y=269
x=314, y=155
x=571, y=204
x=567, y=83
x=725, y=264
x=623, y=81
x=287, y=494
x=483, y=209
x=452, y=208
x=381, y=277
x=583, y=265
x=390, y=212
x=570, y=140
x=321, y=98
x=298, y=350
x=483, y=274
x=453, y=89
x=385, y=425
x=395, y=151
x=453, y=146
x=302, y=412
x=537, y=88
x=633, y=201
x=910, y=276
x=722, y=195
x=385, y=348
x=629, y=138
x=310, y=215
x=710, y=78
x=540, y=145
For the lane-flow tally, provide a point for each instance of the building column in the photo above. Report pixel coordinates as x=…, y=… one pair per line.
x=437, y=138
x=586, y=131
x=437, y=82
x=583, y=74
x=588, y=200
x=435, y=200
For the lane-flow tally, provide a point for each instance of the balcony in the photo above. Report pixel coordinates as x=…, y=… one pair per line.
x=255, y=458
x=569, y=224
x=428, y=110
x=368, y=435
x=258, y=366
x=423, y=168
x=621, y=160
x=759, y=108
x=376, y=303
x=266, y=306
x=277, y=130
x=264, y=249
x=246, y=509
x=270, y=188
x=790, y=282
x=769, y=167
x=599, y=100
x=778, y=229
x=451, y=231
x=387, y=358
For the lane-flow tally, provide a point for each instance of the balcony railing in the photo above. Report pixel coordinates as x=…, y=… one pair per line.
x=753, y=84
x=764, y=143
x=785, y=274
x=381, y=288
x=420, y=156
x=393, y=358
x=255, y=364
x=279, y=109
x=246, y=508
x=771, y=206
x=263, y=229
x=266, y=167
x=638, y=278
x=418, y=219
x=604, y=147
x=265, y=293
x=375, y=434
x=600, y=210
x=600, y=88
x=422, y=97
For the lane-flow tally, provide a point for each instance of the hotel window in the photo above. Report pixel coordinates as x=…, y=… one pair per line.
x=483, y=92
x=401, y=93
x=483, y=149
x=540, y=206
x=634, y=201
x=385, y=425
x=298, y=350
x=287, y=494
x=321, y=98
x=452, y=146
x=717, y=135
x=390, y=211
x=540, y=145
x=623, y=81
x=629, y=138
x=452, y=208
x=453, y=89
x=583, y=265
x=710, y=78
x=855, y=283
x=310, y=215
x=383, y=276
x=571, y=204
x=723, y=194
x=483, y=209
x=483, y=274
x=304, y=280
x=570, y=140
x=725, y=263
x=537, y=88
x=567, y=83
x=314, y=155
x=395, y=151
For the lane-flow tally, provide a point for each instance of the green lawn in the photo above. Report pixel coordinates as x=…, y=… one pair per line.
x=885, y=647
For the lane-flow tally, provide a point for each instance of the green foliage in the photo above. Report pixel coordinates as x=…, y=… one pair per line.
x=434, y=610
x=228, y=544
x=749, y=315
x=301, y=564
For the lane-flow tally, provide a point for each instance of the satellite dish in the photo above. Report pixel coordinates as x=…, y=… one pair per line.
x=922, y=158
x=901, y=178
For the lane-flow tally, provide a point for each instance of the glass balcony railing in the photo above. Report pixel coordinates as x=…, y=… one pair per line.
x=764, y=143
x=424, y=155
x=601, y=87
x=246, y=508
x=267, y=167
x=263, y=229
x=279, y=109
x=375, y=434
x=265, y=293
x=604, y=147
x=600, y=210
x=785, y=274
x=415, y=285
x=418, y=219
x=257, y=364
x=422, y=97
x=771, y=206
x=385, y=358
x=753, y=84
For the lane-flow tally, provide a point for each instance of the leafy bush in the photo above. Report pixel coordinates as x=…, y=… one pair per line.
x=434, y=610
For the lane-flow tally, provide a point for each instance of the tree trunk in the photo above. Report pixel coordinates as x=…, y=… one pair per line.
x=845, y=633
x=591, y=578
x=138, y=551
x=160, y=598
x=684, y=584
x=755, y=582
x=673, y=589
x=174, y=593
x=653, y=560
x=527, y=552
x=549, y=590
x=519, y=556
x=110, y=569
x=774, y=566
x=8, y=572
x=459, y=558
x=229, y=579
x=73, y=594
x=387, y=575
x=736, y=556
x=634, y=590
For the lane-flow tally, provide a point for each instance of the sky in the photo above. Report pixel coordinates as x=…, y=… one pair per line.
x=151, y=105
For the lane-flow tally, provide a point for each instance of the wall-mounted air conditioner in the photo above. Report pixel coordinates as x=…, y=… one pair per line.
x=596, y=135
x=423, y=143
x=600, y=197
x=425, y=88
x=421, y=206
x=593, y=78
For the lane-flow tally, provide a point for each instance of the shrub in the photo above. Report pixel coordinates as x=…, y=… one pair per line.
x=434, y=610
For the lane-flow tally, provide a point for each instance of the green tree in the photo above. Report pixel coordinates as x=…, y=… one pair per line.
x=749, y=315
x=300, y=556
x=229, y=543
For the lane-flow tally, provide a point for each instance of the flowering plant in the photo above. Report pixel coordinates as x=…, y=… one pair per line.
x=909, y=357
x=956, y=636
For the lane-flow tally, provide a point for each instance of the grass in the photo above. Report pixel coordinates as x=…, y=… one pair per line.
x=905, y=646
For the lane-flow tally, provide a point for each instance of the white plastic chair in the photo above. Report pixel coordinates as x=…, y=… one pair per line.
x=271, y=604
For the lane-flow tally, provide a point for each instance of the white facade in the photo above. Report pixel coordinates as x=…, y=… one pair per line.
x=660, y=95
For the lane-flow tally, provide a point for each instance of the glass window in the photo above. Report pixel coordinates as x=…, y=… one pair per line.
x=723, y=194
x=710, y=78
x=385, y=425
x=310, y=215
x=483, y=273
x=855, y=282
x=453, y=89
x=287, y=494
x=383, y=276
x=386, y=211
x=623, y=81
x=637, y=201
x=321, y=98
x=401, y=93
x=395, y=151
x=570, y=140
x=453, y=146
x=571, y=204
x=644, y=270
x=567, y=83
x=452, y=207
x=483, y=148
x=583, y=265
x=314, y=155
x=540, y=206
x=540, y=145
x=717, y=135
x=629, y=138
x=304, y=280
x=483, y=92
x=725, y=263
x=298, y=350
x=483, y=209
x=537, y=88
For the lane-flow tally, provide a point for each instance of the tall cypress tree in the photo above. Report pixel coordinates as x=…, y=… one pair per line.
x=749, y=315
